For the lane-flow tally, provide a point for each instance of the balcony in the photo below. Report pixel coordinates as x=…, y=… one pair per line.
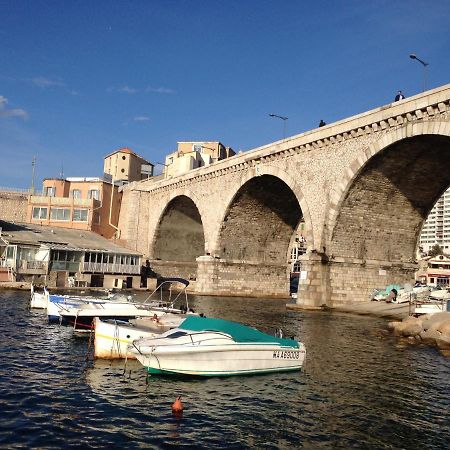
x=69, y=266
x=93, y=267
x=63, y=201
x=32, y=267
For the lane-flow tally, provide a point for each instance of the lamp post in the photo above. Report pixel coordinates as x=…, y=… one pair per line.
x=425, y=65
x=164, y=167
x=283, y=118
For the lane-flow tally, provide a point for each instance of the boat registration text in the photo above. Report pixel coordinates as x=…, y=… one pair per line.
x=286, y=354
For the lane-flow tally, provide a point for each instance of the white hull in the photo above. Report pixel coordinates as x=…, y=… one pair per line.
x=431, y=307
x=112, y=338
x=39, y=300
x=222, y=360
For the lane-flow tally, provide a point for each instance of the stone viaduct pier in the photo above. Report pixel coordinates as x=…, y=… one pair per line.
x=363, y=185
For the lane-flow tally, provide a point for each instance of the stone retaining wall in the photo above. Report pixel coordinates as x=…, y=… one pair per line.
x=13, y=206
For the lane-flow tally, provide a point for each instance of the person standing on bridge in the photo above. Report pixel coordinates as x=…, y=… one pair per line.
x=399, y=96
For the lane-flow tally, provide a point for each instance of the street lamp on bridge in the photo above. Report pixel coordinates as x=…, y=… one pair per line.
x=283, y=118
x=425, y=65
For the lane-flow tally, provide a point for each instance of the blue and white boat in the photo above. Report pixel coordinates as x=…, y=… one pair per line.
x=202, y=346
x=81, y=316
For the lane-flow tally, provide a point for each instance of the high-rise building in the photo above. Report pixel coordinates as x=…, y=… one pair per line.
x=436, y=229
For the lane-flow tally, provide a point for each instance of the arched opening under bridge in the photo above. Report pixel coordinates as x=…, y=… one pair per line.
x=179, y=239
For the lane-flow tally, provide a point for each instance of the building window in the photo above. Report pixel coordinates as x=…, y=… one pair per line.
x=39, y=213
x=10, y=252
x=124, y=157
x=60, y=214
x=50, y=191
x=94, y=193
x=80, y=215
x=76, y=193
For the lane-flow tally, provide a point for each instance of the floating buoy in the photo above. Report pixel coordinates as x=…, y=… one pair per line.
x=177, y=406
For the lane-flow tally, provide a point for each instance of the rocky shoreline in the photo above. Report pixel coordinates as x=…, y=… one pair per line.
x=429, y=329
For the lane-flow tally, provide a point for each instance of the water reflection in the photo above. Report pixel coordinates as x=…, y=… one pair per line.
x=358, y=389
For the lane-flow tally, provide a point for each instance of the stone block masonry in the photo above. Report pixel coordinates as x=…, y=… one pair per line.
x=13, y=206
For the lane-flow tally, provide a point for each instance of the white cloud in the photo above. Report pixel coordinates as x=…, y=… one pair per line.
x=141, y=119
x=43, y=82
x=131, y=90
x=6, y=112
x=128, y=90
x=160, y=90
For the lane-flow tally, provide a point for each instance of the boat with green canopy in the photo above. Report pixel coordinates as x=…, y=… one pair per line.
x=203, y=346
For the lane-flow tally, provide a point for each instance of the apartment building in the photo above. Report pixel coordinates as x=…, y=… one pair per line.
x=191, y=155
x=436, y=229
x=89, y=203
x=82, y=203
x=124, y=166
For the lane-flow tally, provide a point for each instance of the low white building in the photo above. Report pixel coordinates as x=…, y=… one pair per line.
x=61, y=257
x=434, y=271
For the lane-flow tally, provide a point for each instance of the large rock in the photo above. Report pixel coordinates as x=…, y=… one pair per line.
x=410, y=326
x=430, y=329
x=433, y=321
x=430, y=337
x=443, y=342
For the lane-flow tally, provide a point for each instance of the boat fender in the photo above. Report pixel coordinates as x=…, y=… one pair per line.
x=177, y=406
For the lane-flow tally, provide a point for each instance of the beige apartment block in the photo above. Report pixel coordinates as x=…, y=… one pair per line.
x=191, y=155
x=126, y=166
x=80, y=203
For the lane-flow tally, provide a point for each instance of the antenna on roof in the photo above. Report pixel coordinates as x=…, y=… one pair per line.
x=61, y=175
x=33, y=164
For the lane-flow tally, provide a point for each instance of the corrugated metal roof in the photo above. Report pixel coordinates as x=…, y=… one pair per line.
x=59, y=238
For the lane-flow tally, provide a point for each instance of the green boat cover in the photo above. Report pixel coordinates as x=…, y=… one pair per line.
x=389, y=288
x=240, y=333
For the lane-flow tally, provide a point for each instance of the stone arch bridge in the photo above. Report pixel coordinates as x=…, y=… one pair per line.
x=363, y=186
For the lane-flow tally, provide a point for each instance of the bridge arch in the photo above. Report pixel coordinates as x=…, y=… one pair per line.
x=179, y=234
x=412, y=163
x=284, y=179
x=382, y=203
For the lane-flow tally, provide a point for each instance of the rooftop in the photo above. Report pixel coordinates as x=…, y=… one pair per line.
x=58, y=238
x=129, y=151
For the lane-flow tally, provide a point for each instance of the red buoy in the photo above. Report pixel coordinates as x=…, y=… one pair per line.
x=177, y=407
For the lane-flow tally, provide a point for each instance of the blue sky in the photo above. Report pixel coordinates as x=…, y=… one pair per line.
x=80, y=79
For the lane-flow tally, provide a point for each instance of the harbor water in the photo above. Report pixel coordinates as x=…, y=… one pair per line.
x=360, y=388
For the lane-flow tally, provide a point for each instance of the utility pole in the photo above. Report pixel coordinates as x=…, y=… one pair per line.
x=33, y=164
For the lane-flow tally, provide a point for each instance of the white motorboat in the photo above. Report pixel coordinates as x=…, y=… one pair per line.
x=112, y=337
x=62, y=303
x=39, y=299
x=430, y=305
x=81, y=316
x=214, y=347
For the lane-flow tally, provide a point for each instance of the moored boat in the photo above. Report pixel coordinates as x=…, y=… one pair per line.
x=430, y=305
x=112, y=337
x=39, y=299
x=81, y=317
x=215, y=347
